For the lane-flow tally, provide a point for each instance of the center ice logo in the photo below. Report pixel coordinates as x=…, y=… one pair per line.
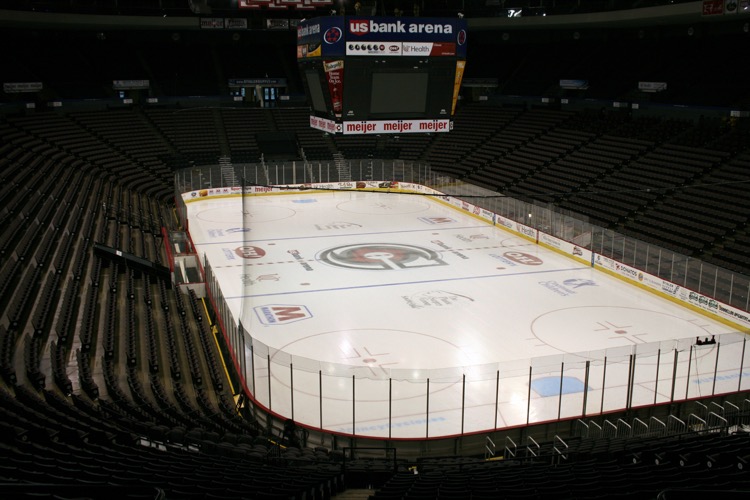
x=281, y=314
x=381, y=257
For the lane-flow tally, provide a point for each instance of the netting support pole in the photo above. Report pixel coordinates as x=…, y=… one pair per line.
x=604, y=386
x=559, y=399
x=427, y=415
x=291, y=388
x=586, y=387
x=390, y=406
x=354, y=405
x=528, y=398
x=268, y=369
x=658, y=365
x=463, y=403
x=742, y=364
x=497, y=396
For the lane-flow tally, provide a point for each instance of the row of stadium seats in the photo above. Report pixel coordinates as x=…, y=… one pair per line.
x=590, y=468
x=207, y=340
x=120, y=228
x=49, y=442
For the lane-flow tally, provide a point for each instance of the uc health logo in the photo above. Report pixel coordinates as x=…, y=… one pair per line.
x=524, y=258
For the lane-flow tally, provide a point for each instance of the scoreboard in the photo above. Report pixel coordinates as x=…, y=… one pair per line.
x=381, y=75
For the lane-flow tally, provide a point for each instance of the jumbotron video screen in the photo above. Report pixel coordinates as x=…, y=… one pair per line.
x=381, y=75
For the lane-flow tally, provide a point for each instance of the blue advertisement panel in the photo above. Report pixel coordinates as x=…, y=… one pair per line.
x=402, y=29
x=320, y=37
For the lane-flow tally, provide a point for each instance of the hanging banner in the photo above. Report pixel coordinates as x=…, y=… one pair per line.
x=574, y=84
x=460, y=65
x=335, y=76
x=652, y=86
x=19, y=87
x=713, y=7
x=131, y=84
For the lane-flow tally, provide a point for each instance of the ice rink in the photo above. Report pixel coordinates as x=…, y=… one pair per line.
x=437, y=316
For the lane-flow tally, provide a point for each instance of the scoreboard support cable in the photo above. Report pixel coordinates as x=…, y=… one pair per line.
x=382, y=75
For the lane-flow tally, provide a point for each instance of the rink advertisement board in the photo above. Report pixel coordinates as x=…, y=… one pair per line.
x=382, y=75
x=202, y=194
x=565, y=247
x=466, y=206
x=673, y=291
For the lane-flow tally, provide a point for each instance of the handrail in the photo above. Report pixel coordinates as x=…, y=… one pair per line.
x=558, y=451
x=599, y=427
x=723, y=422
x=654, y=420
x=529, y=450
x=672, y=419
x=621, y=423
x=640, y=423
x=585, y=425
x=705, y=407
x=612, y=426
x=489, y=447
x=717, y=405
x=507, y=451
x=692, y=418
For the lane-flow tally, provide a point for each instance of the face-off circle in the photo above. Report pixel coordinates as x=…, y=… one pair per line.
x=377, y=353
x=608, y=327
